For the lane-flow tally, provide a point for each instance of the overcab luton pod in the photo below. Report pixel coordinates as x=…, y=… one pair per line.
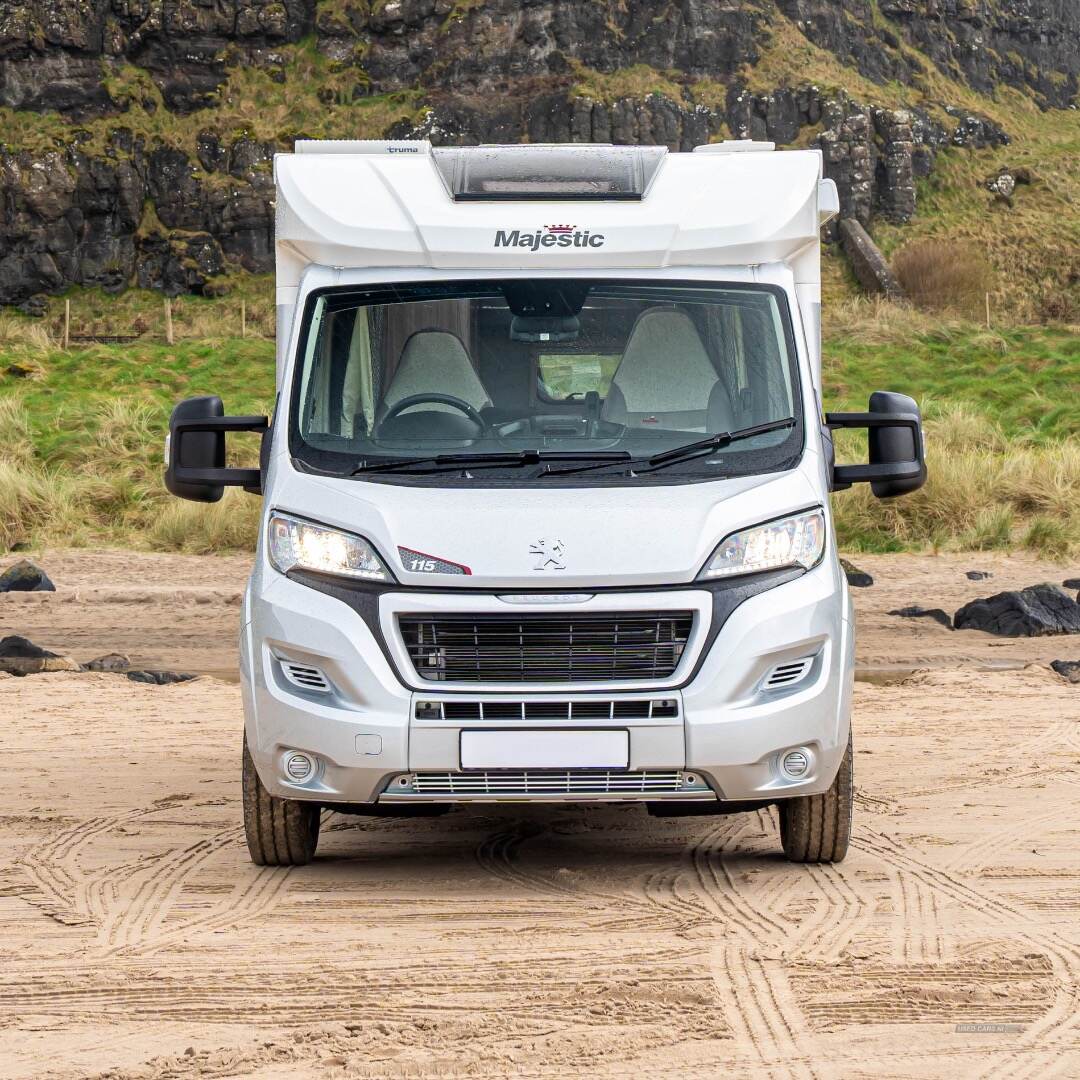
x=546, y=490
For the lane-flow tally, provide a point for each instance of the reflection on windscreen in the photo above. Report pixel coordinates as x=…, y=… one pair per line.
x=560, y=365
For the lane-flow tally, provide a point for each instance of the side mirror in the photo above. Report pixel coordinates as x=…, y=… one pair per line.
x=895, y=442
x=195, y=451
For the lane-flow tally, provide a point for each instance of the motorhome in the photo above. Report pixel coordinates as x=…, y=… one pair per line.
x=547, y=490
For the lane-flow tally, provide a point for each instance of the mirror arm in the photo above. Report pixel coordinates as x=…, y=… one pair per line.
x=185, y=474
x=846, y=475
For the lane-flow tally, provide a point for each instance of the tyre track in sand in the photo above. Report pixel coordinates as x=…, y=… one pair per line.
x=1054, y=1030
x=58, y=890
x=133, y=923
x=760, y=1009
x=499, y=855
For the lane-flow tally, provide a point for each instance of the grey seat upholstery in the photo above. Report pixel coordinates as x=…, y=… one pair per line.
x=666, y=379
x=435, y=362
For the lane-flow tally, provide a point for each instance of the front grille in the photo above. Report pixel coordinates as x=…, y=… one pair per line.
x=542, y=782
x=633, y=645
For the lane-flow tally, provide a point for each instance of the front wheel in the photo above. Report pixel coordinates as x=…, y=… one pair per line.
x=817, y=828
x=280, y=832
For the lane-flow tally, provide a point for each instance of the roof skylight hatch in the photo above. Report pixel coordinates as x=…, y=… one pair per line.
x=548, y=173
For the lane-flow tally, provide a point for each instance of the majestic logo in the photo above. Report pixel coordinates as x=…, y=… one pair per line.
x=561, y=236
x=549, y=554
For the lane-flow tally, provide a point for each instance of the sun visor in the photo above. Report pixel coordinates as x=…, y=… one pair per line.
x=564, y=173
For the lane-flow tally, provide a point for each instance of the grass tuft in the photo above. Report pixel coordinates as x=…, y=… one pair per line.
x=942, y=275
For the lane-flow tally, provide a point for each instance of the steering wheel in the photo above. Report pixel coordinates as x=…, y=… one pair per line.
x=399, y=407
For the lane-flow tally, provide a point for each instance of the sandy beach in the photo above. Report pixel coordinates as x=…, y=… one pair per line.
x=137, y=940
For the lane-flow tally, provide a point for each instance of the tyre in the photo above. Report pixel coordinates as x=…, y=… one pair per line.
x=280, y=832
x=817, y=828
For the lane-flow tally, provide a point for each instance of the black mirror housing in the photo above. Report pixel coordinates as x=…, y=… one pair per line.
x=895, y=443
x=195, y=452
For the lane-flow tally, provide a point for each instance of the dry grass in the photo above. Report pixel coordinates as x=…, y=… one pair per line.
x=983, y=491
x=22, y=338
x=944, y=275
x=207, y=528
x=109, y=489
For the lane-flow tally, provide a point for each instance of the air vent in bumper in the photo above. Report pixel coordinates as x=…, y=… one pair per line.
x=540, y=785
x=305, y=677
x=788, y=673
x=655, y=709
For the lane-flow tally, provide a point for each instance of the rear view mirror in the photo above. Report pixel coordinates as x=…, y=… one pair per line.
x=894, y=442
x=195, y=450
x=538, y=328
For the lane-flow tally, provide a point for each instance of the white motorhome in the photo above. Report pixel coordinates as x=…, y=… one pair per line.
x=547, y=490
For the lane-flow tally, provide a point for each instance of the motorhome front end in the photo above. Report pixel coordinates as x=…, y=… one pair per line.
x=546, y=490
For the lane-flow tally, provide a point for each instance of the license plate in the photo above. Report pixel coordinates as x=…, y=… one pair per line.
x=541, y=749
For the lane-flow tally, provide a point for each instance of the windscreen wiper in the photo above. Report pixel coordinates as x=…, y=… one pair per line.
x=455, y=462
x=700, y=448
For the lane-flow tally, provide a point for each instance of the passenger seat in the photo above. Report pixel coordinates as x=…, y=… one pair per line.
x=666, y=379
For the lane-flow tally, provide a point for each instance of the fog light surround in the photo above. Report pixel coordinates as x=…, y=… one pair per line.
x=796, y=764
x=299, y=767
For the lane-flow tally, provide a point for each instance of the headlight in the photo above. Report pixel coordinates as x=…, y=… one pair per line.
x=792, y=541
x=296, y=544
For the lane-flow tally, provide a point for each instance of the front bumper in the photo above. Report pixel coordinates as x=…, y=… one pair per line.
x=722, y=726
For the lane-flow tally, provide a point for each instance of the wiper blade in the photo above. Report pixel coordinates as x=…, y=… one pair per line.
x=683, y=453
x=455, y=462
x=717, y=442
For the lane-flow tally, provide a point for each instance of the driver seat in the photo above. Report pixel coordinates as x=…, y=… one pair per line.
x=435, y=362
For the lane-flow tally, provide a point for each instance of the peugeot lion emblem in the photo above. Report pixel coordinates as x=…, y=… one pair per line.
x=549, y=554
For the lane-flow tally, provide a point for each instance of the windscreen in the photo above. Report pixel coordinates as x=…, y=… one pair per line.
x=558, y=373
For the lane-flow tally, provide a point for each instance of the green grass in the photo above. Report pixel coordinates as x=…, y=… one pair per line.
x=63, y=404
x=1026, y=379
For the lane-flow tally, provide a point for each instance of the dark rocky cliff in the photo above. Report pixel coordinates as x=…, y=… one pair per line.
x=137, y=135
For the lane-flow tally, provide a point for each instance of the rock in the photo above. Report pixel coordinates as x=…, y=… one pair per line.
x=24, y=576
x=1068, y=670
x=159, y=678
x=978, y=575
x=1032, y=612
x=108, y=662
x=916, y=612
x=859, y=578
x=867, y=262
x=20, y=656
x=37, y=307
x=23, y=369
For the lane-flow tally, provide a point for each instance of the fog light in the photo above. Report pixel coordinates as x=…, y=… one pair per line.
x=795, y=763
x=299, y=768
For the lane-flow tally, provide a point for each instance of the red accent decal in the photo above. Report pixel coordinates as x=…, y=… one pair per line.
x=437, y=558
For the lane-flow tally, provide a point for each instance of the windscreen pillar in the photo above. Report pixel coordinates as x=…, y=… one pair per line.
x=289, y=269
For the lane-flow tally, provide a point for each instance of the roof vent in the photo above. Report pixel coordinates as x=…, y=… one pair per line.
x=735, y=146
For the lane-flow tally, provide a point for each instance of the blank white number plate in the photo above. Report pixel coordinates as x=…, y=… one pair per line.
x=539, y=749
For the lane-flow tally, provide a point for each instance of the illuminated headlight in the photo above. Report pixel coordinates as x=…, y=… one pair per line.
x=294, y=544
x=792, y=541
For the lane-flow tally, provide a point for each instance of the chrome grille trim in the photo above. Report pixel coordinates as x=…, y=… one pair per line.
x=534, y=647
x=538, y=785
